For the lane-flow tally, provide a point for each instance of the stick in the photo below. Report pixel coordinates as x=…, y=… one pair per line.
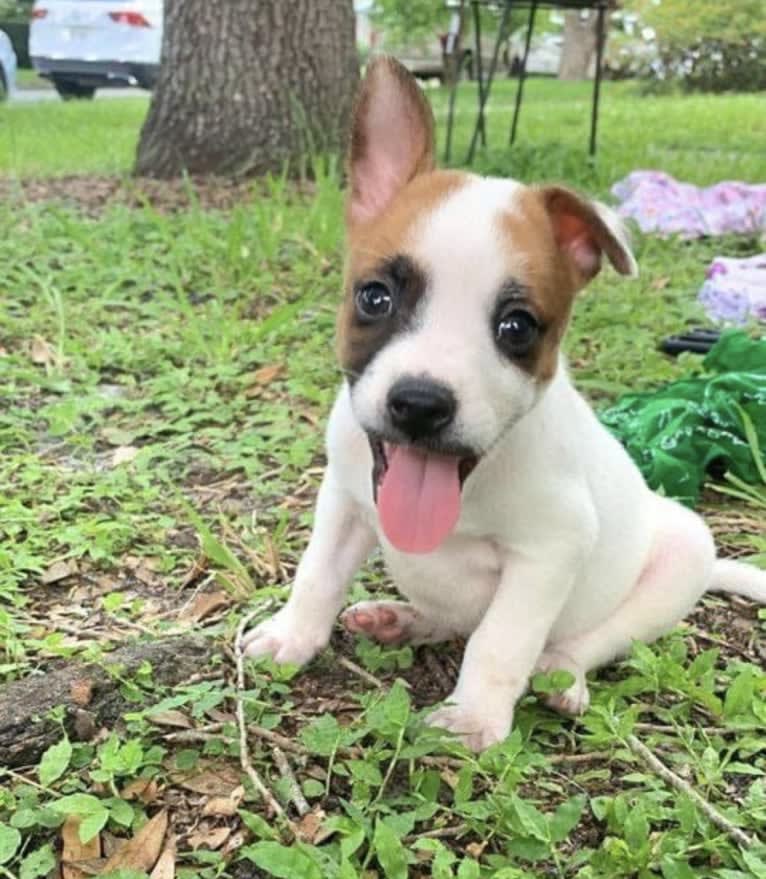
x=285, y=770
x=361, y=672
x=244, y=752
x=720, y=821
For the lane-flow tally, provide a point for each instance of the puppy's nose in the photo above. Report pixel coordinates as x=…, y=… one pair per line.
x=420, y=408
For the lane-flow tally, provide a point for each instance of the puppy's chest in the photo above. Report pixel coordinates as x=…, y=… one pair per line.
x=457, y=581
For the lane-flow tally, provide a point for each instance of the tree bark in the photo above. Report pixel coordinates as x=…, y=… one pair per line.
x=91, y=697
x=579, y=51
x=245, y=88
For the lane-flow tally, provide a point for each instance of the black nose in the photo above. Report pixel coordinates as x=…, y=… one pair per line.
x=420, y=408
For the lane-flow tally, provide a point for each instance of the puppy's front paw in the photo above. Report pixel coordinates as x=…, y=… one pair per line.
x=478, y=727
x=285, y=639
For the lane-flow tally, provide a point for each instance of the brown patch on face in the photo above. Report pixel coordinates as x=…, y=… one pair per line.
x=560, y=237
x=548, y=282
x=375, y=248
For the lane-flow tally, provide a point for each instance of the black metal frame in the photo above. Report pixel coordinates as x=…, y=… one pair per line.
x=484, y=84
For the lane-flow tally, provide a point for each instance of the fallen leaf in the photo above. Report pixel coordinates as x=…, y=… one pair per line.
x=213, y=782
x=144, y=789
x=212, y=839
x=59, y=571
x=225, y=806
x=310, y=826
x=41, y=352
x=124, y=455
x=74, y=851
x=140, y=852
x=204, y=604
x=165, y=868
x=266, y=374
x=660, y=283
x=234, y=842
x=171, y=717
x=476, y=849
x=81, y=691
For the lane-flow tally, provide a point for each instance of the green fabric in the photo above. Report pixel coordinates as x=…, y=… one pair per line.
x=677, y=433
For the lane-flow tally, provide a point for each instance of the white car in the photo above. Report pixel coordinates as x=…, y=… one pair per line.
x=83, y=45
x=7, y=67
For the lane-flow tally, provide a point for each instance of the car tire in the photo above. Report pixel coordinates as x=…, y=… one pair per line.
x=69, y=91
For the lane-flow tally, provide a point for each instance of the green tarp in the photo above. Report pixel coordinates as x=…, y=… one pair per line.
x=679, y=432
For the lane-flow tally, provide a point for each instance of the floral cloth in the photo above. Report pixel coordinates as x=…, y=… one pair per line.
x=735, y=289
x=659, y=203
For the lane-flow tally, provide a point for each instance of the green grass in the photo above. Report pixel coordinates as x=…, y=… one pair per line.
x=73, y=137
x=164, y=381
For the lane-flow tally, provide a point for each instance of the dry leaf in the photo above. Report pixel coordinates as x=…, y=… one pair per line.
x=144, y=789
x=141, y=852
x=59, y=571
x=81, y=691
x=204, y=604
x=476, y=849
x=165, y=868
x=266, y=374
x=213, y=783
x=74, y=850
x=41, y=352
x=660, y=283
x=212, y=839
x=310, y=827
x=171, y=718
x=124, y=455
x=225, y=806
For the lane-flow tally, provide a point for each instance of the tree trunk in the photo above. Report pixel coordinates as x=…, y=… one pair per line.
x=579, y=52
x=245, y=88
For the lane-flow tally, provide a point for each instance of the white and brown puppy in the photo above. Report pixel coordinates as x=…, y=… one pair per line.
x=505, y=511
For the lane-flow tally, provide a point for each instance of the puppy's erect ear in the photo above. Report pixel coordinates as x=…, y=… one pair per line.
x=585, y=230
x=392, y=138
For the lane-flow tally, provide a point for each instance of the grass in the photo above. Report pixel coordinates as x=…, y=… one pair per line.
x=164, y=379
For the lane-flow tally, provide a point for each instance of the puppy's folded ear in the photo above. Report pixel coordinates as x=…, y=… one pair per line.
x=585, y=230
x=392, y=138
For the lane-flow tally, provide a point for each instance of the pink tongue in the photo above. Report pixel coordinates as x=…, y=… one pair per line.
x=419, y=499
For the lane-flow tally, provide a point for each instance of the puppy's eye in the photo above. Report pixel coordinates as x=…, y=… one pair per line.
x=516, y=332
x=374, y=302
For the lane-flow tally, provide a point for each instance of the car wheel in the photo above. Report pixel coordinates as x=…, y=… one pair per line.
x=69, y=90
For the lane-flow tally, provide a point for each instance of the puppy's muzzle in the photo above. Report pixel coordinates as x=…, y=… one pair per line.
x=420, y=409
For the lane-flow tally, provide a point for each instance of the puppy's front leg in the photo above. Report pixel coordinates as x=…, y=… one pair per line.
x=340, y=543
x=502, y=651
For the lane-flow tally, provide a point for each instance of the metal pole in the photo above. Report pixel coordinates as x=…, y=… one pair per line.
x=484, y=93
x=600, y=40
x=523, y=71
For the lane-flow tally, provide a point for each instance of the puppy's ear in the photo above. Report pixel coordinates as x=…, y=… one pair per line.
x=392, y=138
x=585, y=230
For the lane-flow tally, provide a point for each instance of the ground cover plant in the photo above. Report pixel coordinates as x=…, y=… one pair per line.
x=165, y=371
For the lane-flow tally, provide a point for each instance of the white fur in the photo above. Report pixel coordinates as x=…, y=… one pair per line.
x=561, y=556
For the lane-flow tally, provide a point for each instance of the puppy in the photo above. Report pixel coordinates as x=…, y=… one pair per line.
x=506, y=513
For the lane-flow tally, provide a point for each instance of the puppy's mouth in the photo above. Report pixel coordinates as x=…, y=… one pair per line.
x=417, y=491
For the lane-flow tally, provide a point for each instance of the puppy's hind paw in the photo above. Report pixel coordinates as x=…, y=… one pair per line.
x=388, y=622
x=283, y=639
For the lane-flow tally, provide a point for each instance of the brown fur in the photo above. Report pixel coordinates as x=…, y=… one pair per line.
x=371, y=244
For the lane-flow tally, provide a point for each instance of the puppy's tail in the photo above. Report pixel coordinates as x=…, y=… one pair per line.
x=739, y=578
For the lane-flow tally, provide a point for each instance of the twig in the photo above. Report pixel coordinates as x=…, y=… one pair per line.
x=22, y=779
x=285, y=770
x=588, y=757
x=244, y=752
x=278, y=739
x=720, y=821
x=361, y=672
x=438, y=833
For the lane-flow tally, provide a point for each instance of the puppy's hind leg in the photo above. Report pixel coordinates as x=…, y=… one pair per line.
x=394, y=622
x=679, y=570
